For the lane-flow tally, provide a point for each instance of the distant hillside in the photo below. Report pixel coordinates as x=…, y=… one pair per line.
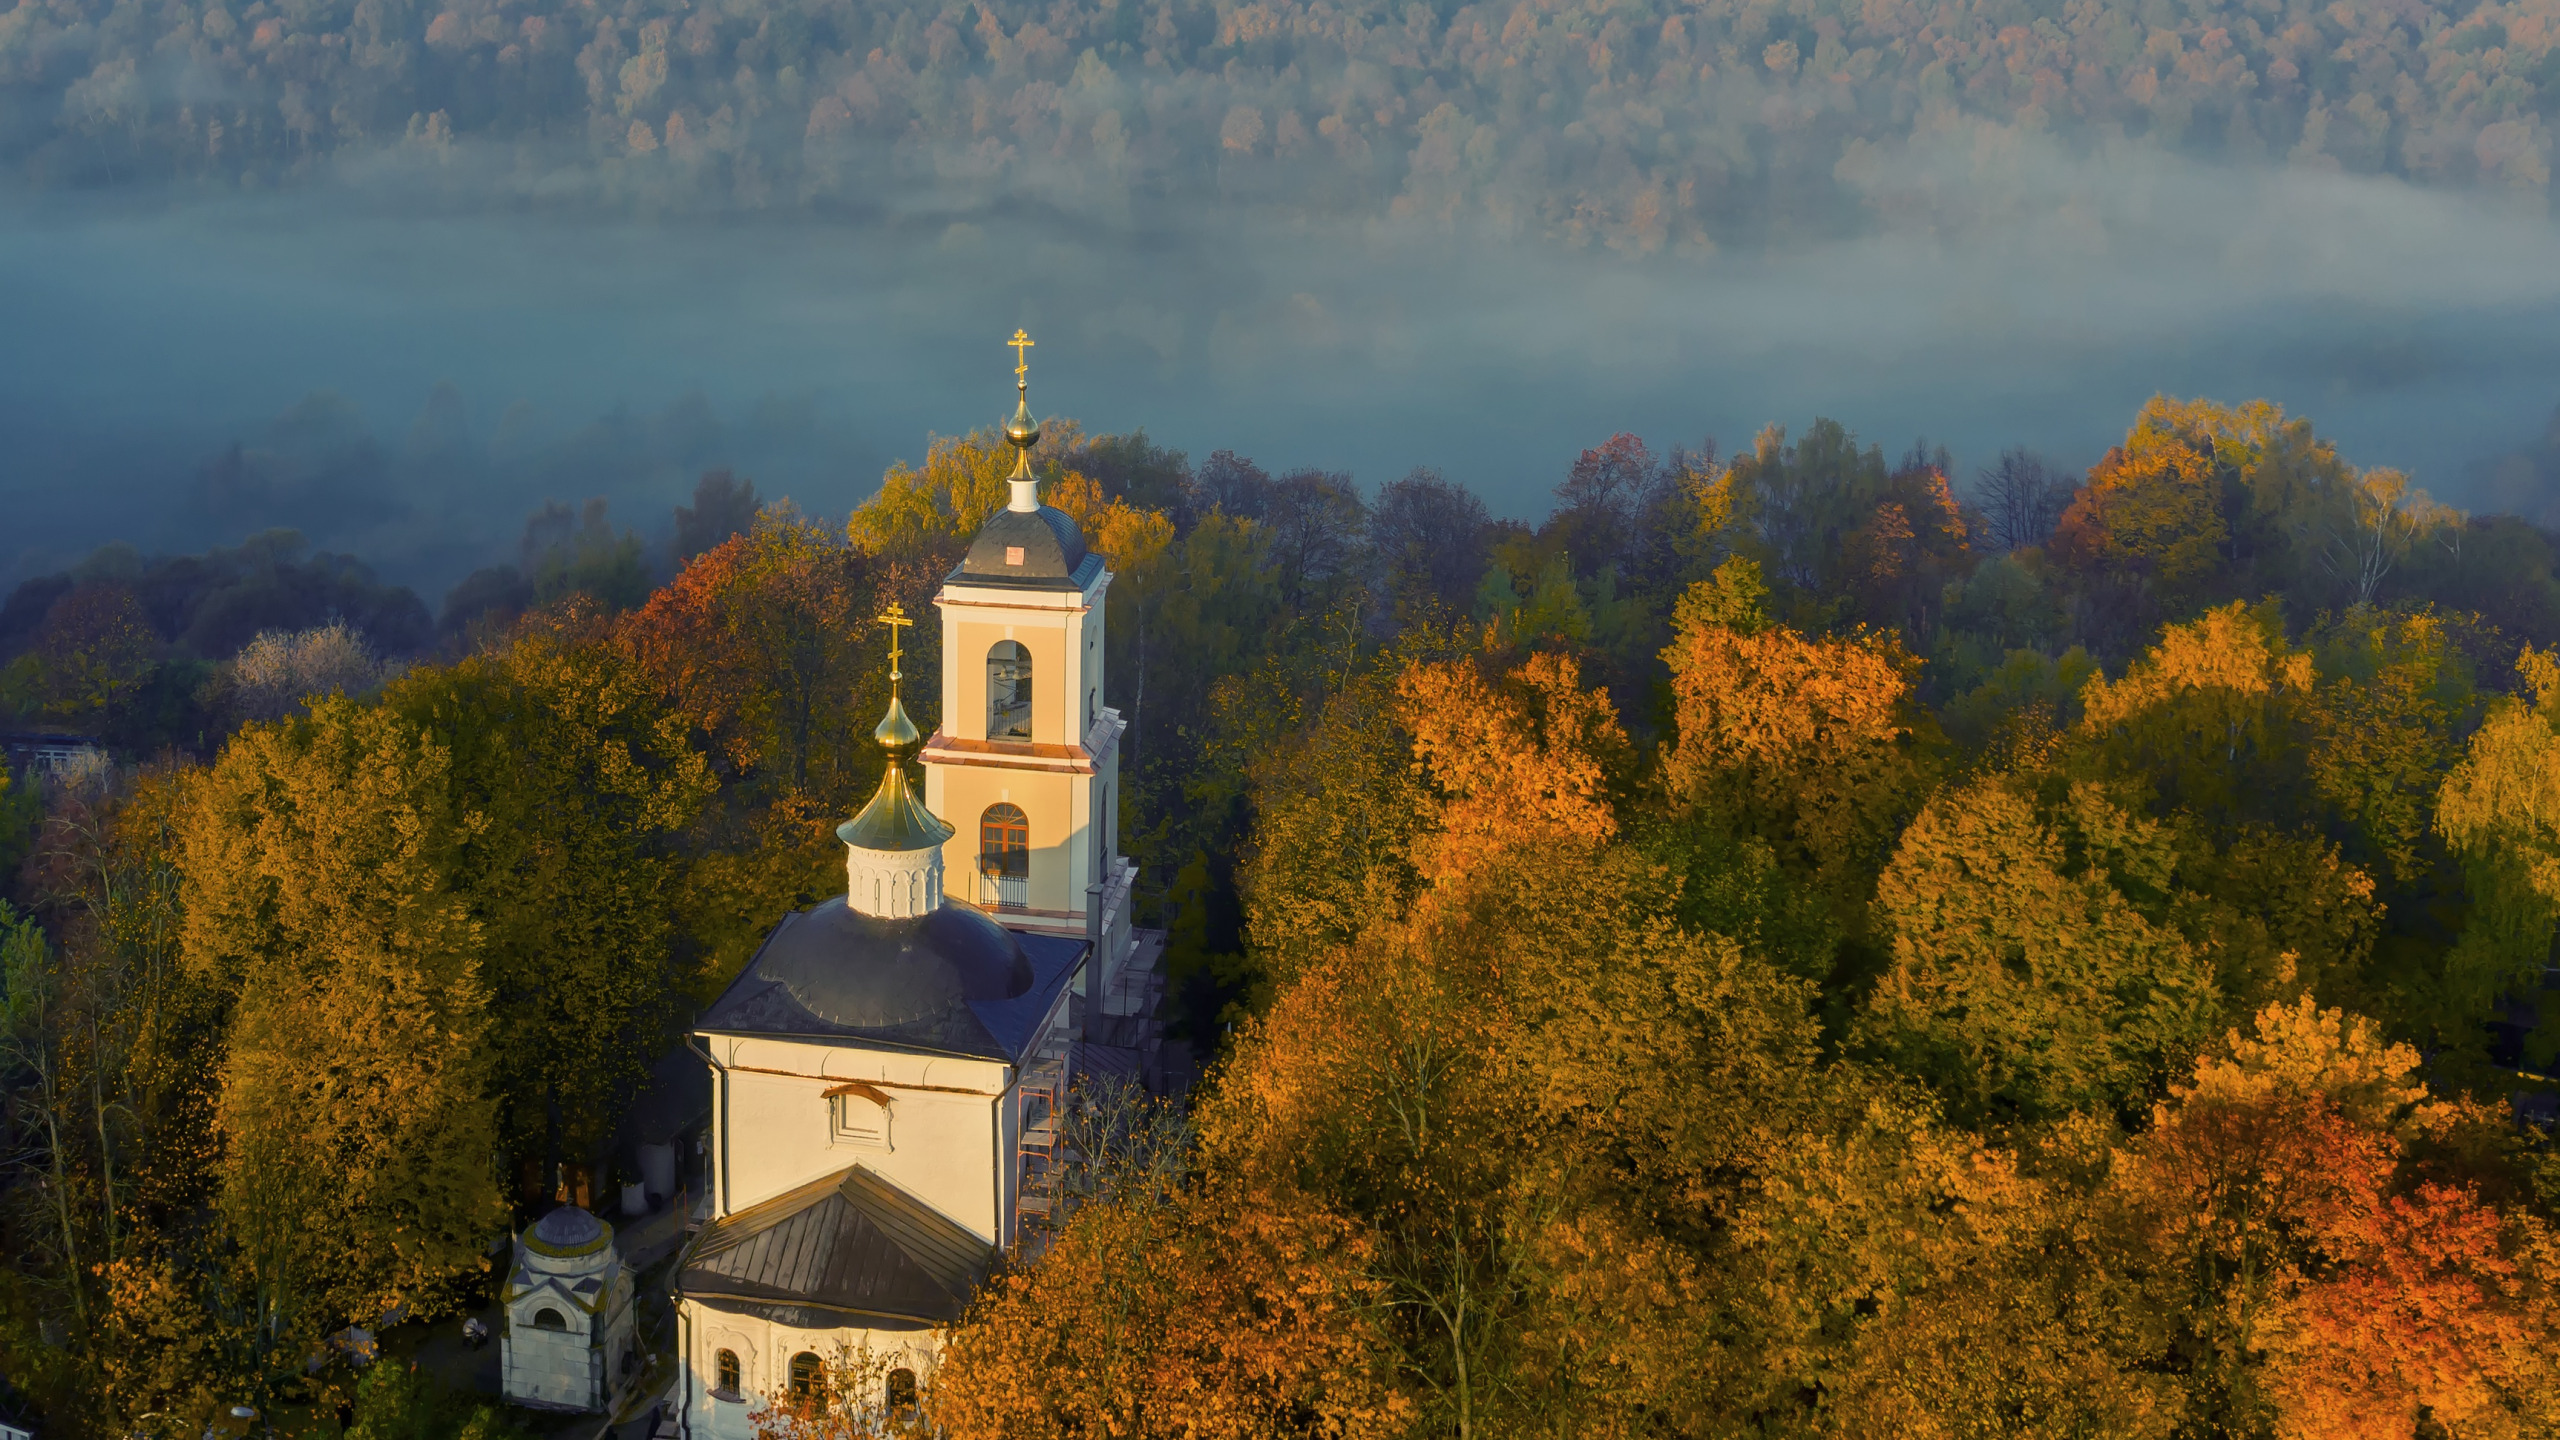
x=1641, y=127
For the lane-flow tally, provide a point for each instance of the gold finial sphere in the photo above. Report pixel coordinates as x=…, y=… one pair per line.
x=1022, y=429
x=896, y=733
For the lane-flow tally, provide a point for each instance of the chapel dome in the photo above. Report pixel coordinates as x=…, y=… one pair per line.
x=569, y=1240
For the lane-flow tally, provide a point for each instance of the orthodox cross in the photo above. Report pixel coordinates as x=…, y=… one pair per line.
x=896, y=619
x=1020, y=342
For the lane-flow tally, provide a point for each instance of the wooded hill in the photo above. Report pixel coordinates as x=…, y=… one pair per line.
x=1643, y=128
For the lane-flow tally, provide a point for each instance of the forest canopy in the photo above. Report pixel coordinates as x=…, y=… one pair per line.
x=1798, y=941
x=1674, y=127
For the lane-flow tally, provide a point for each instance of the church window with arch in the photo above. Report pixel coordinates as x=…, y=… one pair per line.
x=902, y=1391
x=808, y=1386
x=724, y=1371
x=1008, y=691
x=547, y=1318
x=1004, y=853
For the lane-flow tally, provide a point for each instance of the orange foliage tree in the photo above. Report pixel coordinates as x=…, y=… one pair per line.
x=1531, y=754
x=2343, y=1274
x=1210, y=1314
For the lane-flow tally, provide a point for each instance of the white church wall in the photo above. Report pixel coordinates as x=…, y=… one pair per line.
x=764, y=1351
x=576, y=1365
x=946, y=1126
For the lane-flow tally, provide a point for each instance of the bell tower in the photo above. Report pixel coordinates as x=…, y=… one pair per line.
x=1026, y=764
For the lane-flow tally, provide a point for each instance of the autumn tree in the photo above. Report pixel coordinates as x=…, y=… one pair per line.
x=323, y=860
x=2205, y=501
x=2341, y=1278
x=2209, y=719
x=1201, y=1312
x=2499, y=810
x=2393, y=691
x=1338, y=811
x=2025, y=981
x=1530, y=755
x=925, y=514
x=1805, y=743
x=580, y=781
x=764, y=646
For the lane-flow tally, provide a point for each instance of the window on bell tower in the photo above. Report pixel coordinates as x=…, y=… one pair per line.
x=1004, y=854
x=1008, y=691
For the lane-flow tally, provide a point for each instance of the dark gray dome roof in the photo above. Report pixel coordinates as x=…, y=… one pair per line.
x=921, y=980
x=869, y=972
x=1054, y=556
x=567, y=1226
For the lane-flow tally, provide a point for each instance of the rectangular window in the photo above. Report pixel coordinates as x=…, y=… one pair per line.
x=858, y=1114
x=1013, y=554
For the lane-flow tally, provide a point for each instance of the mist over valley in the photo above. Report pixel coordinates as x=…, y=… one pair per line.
x=404, y=375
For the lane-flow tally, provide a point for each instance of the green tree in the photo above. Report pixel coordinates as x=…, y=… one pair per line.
x=2499, y=810
x=581, y=783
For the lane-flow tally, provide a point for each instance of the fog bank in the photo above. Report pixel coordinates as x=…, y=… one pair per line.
x=2020, y=299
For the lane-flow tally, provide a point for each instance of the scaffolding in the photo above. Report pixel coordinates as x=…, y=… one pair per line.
x=1039, y=1170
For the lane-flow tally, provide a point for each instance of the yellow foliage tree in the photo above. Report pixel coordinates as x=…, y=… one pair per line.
x=2382, y=731
x=2499, y=809
x=1531, y=755
x=928, y=512
x=2023, y=985
x=321, y=858
x=1338, y=812
x=1209, y=1315
x=1806, y=743
x=2209, y=717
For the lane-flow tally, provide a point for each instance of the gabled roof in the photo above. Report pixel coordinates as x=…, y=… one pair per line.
x=850, y=1243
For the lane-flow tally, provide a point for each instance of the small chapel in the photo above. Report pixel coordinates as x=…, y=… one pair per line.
x=891, y=1070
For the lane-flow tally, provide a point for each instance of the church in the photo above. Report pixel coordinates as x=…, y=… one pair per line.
x=890, y=1072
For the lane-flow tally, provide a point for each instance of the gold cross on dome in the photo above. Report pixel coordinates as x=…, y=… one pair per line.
x=1020, y=342
x=895, y=617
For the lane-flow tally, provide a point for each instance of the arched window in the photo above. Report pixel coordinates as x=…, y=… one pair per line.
x=902, y=1391
x=1008, y=692
x=547, y=1318
x=808, y=1381
x=724, y=1370
x=1004, y=845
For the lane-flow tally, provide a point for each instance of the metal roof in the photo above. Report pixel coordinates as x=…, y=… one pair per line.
x=1050, y=546
x=950, y=981
x=850, y=1243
